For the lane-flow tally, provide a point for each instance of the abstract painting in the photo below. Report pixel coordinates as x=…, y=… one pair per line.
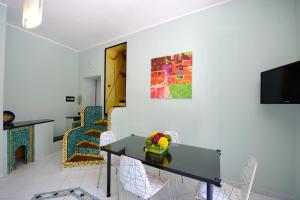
x=171, y=76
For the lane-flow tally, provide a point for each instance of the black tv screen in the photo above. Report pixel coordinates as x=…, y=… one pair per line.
x=281, y=85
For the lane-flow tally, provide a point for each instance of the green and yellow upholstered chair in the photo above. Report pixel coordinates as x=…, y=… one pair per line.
x=81, y=145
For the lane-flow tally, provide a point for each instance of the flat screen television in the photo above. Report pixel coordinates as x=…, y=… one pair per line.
x=281, y=85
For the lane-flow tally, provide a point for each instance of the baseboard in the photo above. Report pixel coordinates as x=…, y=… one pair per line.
x=264, y=192
x=58, y=138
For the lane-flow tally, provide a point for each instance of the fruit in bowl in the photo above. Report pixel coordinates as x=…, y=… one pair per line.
x=8, y=117
x=157, y=142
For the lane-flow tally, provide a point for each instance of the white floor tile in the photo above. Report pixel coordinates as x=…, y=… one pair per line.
x=47, y=175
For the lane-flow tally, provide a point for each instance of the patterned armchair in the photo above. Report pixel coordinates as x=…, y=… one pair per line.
x=81, y=145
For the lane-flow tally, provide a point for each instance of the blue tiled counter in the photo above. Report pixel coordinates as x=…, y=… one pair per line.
x=16, y=138
x=35, y=137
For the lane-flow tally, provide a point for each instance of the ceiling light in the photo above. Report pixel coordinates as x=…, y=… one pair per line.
x=32, y=13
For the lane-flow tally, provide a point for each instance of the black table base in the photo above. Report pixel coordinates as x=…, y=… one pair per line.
x=208, y=170
x=108, y=173
x=209, y=191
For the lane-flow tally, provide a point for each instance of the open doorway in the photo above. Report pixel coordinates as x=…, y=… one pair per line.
x=115, y=77
x=91, y=93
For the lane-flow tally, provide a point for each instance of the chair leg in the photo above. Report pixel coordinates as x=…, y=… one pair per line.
x=176, y=186
x=182, y=179
x=159, y=172
x=117, y=181
x=99, y=176
x=170, y=197
x=197, y=192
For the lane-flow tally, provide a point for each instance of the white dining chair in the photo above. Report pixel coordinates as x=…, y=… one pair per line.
x=174, y=135
x=107, y=138
x=229, y=192
x=176, y=140
x=136, y=180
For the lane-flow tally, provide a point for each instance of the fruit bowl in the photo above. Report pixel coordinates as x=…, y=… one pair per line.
x=157, y=143
x=155, y=149
x=8, y=117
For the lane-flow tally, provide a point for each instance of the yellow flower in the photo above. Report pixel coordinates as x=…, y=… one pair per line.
x=153, y=133
x=163, y=142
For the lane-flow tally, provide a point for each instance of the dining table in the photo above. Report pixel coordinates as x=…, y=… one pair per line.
x=198, y=163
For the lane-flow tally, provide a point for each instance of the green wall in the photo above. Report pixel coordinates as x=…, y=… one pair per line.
x=2, y=57
x=297, y=174
x=3, y=11
x=297, y=140
x=231, y=43
x=39, y=74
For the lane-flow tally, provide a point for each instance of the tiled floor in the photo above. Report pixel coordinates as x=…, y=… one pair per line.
x=47, y=175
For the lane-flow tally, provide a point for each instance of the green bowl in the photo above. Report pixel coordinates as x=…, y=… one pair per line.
x=155, y=149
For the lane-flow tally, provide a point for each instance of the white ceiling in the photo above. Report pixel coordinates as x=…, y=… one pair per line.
x=80, y=24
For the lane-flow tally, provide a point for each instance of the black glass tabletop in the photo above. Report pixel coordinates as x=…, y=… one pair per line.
x=194, y=162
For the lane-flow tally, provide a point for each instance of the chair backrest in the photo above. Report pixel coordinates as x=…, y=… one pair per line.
x=133, y=176
x=91, y=114
x=247, y=177
x=106, y=138
x=174, y=135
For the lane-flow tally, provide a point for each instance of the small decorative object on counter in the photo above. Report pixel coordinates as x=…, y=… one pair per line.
x=8, y=117
x=158, y=143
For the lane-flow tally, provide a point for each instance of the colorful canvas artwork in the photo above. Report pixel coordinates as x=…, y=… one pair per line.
x=171, y=76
